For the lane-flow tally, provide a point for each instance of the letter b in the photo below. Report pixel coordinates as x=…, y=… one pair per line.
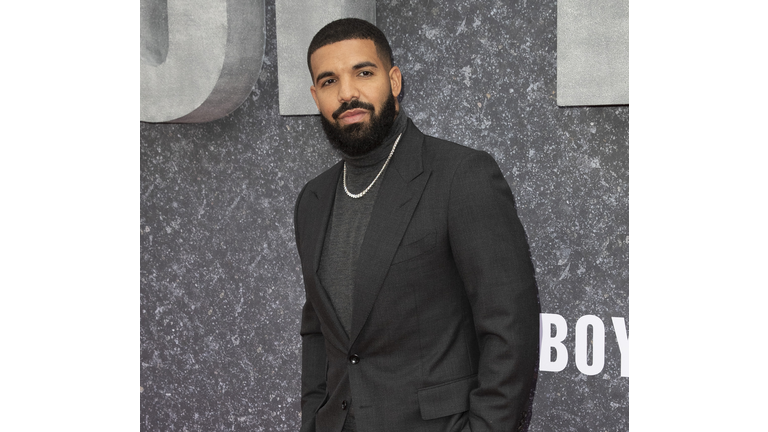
x=549, y=342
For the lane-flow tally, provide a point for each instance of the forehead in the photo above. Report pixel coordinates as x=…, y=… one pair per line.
x=344, y=54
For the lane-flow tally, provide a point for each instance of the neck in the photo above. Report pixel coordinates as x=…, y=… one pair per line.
x=380, y=153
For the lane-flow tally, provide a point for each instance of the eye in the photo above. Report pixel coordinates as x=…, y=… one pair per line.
x=327, y=82
x=365, y=73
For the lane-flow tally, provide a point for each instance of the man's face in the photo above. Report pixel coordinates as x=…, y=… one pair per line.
x=355, y=92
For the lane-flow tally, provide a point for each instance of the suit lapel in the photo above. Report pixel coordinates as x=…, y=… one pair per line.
x=400, y=191
x=323, y=195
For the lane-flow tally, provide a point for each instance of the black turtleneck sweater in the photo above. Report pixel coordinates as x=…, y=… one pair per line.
x=347, y=226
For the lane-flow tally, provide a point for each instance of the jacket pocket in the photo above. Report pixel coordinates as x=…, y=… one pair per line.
x=415, y=248
x=447, y=398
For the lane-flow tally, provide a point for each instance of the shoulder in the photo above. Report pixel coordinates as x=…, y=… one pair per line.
x=329, y=175
x=323, y=181
x=464, y=171
x=320, y=185
x=444, y=155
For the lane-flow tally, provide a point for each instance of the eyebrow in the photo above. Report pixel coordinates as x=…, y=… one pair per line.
x=363, y=65
x=355, y=67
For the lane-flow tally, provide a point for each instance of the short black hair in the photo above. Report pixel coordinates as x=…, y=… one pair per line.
x=351, y=28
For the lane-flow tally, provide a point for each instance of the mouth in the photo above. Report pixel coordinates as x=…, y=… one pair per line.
x=352, y=116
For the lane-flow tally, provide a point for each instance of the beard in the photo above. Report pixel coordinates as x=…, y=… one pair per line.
x=360, y=138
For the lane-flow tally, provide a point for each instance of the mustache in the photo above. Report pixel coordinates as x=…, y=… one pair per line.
x=354, y=103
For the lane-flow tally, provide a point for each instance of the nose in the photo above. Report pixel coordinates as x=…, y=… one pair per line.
x=348, y=90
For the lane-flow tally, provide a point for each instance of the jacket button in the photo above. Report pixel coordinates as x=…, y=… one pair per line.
x=354, y=359
x=343, y=405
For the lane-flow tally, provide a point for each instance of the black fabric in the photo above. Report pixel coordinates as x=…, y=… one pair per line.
x=346, y=231
x=444, y=292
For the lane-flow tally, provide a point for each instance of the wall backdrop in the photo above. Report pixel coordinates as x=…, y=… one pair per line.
x=221, y=292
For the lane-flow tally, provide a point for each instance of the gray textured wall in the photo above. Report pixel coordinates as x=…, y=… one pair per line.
x=220, y=283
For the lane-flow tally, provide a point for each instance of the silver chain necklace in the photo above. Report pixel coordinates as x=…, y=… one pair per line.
x=360, y=195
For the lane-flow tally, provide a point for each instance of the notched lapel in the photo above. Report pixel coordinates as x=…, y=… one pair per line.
x=396, y=201
x=318, y=212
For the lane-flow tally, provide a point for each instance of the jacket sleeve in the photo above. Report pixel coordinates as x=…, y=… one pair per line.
x=313, y=361
x=491, y=252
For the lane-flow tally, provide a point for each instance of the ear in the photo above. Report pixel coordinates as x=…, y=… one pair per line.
x=314, y=96
x=395, y=81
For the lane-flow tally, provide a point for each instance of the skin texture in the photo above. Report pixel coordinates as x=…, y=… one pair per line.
x=349, y=70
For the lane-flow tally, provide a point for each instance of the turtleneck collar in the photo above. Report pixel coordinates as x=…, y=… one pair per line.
x=379, y=154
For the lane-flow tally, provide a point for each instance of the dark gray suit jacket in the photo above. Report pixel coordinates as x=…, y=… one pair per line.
x=445, y=325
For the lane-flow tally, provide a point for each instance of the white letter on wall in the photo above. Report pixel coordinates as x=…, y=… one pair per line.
x=620, y=328
x=548, y=342
x=598, y=345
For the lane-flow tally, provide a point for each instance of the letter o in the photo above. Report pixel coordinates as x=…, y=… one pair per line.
x=598, y=345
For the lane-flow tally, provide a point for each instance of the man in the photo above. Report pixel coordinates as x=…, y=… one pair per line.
x=421, y=308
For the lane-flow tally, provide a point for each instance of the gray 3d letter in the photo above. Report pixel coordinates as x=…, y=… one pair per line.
x=199, y=58
x=592, y=52
x=297, y=23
